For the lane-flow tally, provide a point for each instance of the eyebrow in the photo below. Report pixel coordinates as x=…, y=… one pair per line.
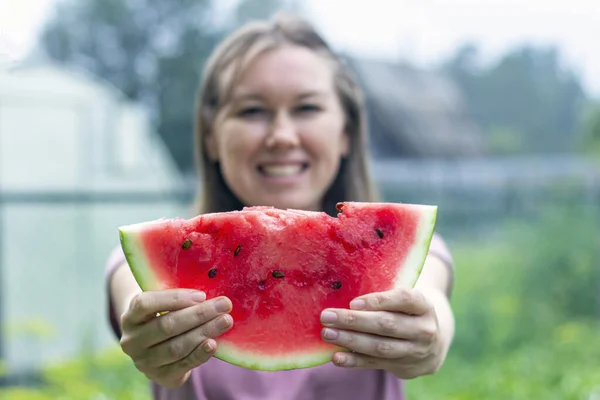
x=257, y=96
x=311, y=93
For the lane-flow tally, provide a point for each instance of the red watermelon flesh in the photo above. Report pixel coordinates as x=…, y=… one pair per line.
x=281, y=268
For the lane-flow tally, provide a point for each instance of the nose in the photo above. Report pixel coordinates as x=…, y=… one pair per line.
x=282, y=132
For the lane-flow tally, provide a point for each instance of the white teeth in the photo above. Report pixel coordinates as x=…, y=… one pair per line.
x=281, y=170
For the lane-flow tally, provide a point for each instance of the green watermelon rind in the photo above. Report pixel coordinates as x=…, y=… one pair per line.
x=233, y=355
x=134, y=254
x=414, y=263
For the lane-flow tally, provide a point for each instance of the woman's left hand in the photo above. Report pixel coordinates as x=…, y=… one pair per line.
x=396, y=331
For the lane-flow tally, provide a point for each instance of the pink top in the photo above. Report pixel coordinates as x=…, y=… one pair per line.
x=216, y=379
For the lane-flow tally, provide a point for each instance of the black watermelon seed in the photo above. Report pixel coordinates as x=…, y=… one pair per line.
x=278, y=274
x=237, y=250
x=336, y=285
x=212, y=273
x=379, y=233
x=187, y=244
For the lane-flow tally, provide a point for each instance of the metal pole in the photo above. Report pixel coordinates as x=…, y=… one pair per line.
x=2, y=291
x=2, y=288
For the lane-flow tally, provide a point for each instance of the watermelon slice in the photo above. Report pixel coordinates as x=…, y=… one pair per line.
x=281, y=268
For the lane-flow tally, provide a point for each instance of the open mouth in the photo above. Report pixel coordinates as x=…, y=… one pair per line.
x=282, y=170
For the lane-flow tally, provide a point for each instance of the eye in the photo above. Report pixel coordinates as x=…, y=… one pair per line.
x=253, y=111
x=308, y=108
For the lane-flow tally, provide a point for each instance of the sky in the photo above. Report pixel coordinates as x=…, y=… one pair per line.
x=420, y=31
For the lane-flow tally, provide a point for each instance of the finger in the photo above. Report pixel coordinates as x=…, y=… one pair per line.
x=145, y=305
x=409, y=301
x=180, y=347
x=178, y=322
x=364, y=343
x=354, y=360
x=382, y=323
x=197, y=357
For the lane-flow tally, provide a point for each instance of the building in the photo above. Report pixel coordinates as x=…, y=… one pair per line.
x=415, y=113
x=77, y=160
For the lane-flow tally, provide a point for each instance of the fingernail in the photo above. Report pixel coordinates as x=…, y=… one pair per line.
x=208, y=346
x=222, y=305
x=198, y=297
x=328, y=317
x=339, y=359
x=224, y=322
x=358, y=304
x=331, y=334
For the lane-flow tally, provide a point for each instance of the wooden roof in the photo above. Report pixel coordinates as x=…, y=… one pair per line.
x=415, y=113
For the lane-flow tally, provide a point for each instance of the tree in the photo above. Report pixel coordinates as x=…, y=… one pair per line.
x=526, y=95
x=591, y=129
x=152, y=50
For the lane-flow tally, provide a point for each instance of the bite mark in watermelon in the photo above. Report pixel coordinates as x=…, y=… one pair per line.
x=281, y=268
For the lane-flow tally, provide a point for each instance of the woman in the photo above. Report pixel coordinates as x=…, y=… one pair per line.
x=281, y=122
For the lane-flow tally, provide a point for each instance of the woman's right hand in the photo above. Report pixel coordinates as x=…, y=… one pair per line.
x=167, y=347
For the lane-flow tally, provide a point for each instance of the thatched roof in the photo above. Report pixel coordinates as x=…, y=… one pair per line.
x=415, y=113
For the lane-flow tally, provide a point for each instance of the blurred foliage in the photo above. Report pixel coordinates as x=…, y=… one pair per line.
x=560, y=366
x=526, y=306
x=527, y=93
x=527, y=311
x=153, y=51
x=591, y=129
x=36, y=328
x=502, y=140
x=91, y=377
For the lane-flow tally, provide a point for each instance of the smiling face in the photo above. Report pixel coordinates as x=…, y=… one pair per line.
x=280, y=137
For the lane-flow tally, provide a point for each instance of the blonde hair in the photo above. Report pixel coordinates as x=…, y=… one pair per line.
x=222, y=69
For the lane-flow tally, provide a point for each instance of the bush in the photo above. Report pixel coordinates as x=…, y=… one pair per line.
x=106, y=376
x=562, y=366
x=527, y=315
